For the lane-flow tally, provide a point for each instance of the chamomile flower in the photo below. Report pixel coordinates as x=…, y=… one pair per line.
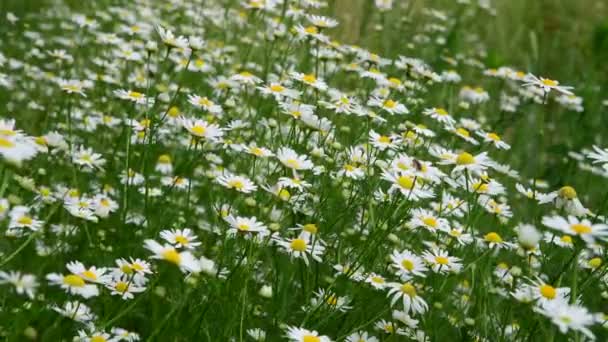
x=131, y=95
x=407, y=293
x=180, y=238
x=441, y=262
x=290, y=159
x=245, y=225
x=73, y=284
x=392, y=107
x=383, y=142
x=125, y=287
x=571, y=225
x=546, y=84
x=301, y=247
x=494, y=139
x=422, y=218
x=310, y=80
x=23, y=283
x=169, y=39
x=91, y=274
x=205, y=104
x=75, y=310
x=238, y=183
x=408, y=265
x=202, y=129
x=184, y=260
x=568, y=316
x=409, y=186
x=440, y=115
x=295, y=334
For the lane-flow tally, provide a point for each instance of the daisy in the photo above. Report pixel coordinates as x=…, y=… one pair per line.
x=466, y=161
x=86, y=157
x=73, y=284
x=184, y=260
x=72, y=86
x=546, y=84
x=124, y=287
x=427, y=219
x=598, y=155
x=382, y=142
x=334, y=302
x=377, y=281
x=361, y=336
x=568, y=316
x=392, y=107
x=133, y=266
x=170, y=39
x=406, y=291
x=205, y=104
x=20, y=218
x=238, y=183
x=23, y=283
x=440, y=115
x=407, y=185
x=164, y=165
x=441, y=262
x=310, y=79
x=180, y=238
x=321, y=21
x=75, y=310
x=301, y=247
x=575, y=227
x=131, y=95
x=260, y=152
x=245, y=225
x=279, y=91
x=292, y=160
x=92, y=274
x=295, y=334
x=538, y=290
x=407, y=264
x=245, y=77
x=202, y=129
x=494, y=240
x=464, y=134
x=493, y=139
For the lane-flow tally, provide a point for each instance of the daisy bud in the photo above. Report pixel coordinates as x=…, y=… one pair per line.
x=30, y=333
x=469, y=321
x=393, y=238
x=251, y=202
x=515, y=271
x=266, y=291
x=274, y=226
x=160, y=291
x=528, y=236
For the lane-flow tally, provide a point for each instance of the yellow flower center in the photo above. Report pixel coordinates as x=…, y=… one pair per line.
x=566, y=239
x=463, y=132
x=580, y=229
x=121, y=287
x=390, y=104
x=309, y=78
x=5, y=143
x=493, y=136
x=548, y=291
x=465, y=159
x=384, y=139
x=595, y=262
x=181, y=240
x=408, y=289
x=407, y=264
x=311, y=30
x=73, y=280
x=493, y=237
x=277, y=88
x=310, y=338
x=440, y=111
x=405, y=182
x=441, y=260
x=199, y=130
x=378, y=280
x=549, y=83
x=126, y=269
x=567, y=192
x=293, y=163
x=332, y=300
x=164, y=159
x=135, y=94
x=430, y=221
x=89, y=275
x=173, y=112
x=244, y=227
x=98, y=338
x=237, y=184
x=172, y=256
x=311, y=228
x=25, y=220
x=298, y=245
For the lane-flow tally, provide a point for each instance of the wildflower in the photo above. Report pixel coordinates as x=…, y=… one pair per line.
x=292, y=160
x=575, y=227
x=301, y=247
x=238, y=183
x=75, y=310
x=23, y=283
x=73, y=284
x=202, y=129
x=441, y=262
x=180, y=238
x=245, y=225
x=184, y=260
x=295, y=334
x=205, y=104
x=170, y=39
x=408, y=264
x=406, y=291
x=546, y=84
x=131, y=95
x=568, y=317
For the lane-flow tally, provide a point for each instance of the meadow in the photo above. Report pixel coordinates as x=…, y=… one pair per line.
x=303, y=170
